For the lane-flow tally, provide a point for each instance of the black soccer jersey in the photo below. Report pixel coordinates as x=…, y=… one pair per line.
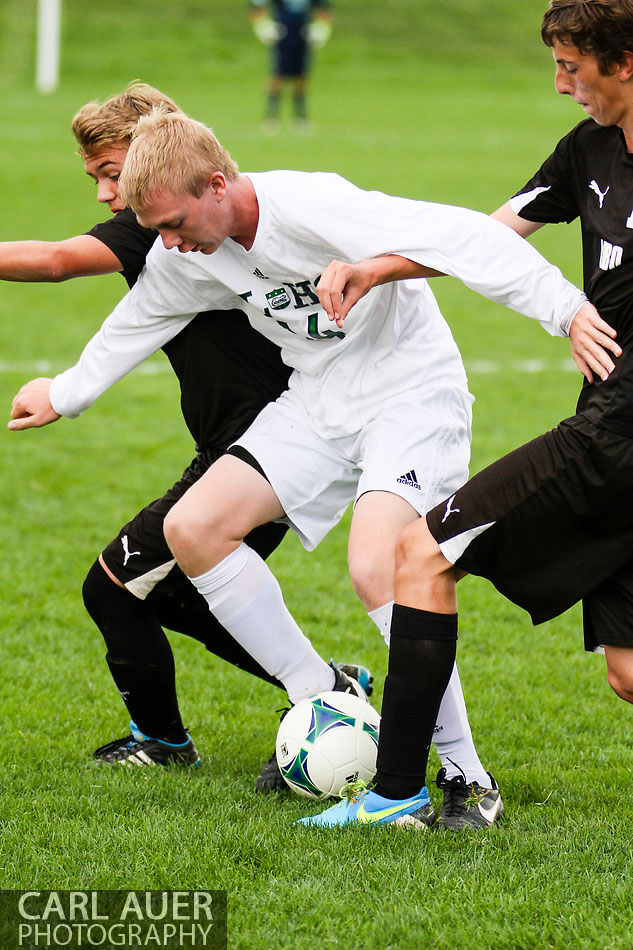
x=226, y=370
x=590, y=175
x=128, y=240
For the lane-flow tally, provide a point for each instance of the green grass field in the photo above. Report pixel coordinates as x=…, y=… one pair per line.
x=452, y=103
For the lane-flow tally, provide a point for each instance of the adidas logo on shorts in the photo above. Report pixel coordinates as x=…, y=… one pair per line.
x=410, y=479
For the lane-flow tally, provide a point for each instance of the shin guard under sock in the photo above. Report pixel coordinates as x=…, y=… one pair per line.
x=247, y=600
x=139, y=656
x=421, y=658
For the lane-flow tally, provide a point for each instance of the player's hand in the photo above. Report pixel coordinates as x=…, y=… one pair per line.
x=592, y=340
x=319, y=32
x=32, y=406
x=342, y=285
x=266, y=30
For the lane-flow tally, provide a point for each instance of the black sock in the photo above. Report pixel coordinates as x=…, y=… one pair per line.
x=299, y=101
x=421, y=657
x=139, y=656
x=272, y=105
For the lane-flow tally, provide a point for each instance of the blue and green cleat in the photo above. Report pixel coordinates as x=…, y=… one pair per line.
x=356, y=672
x=361, y=806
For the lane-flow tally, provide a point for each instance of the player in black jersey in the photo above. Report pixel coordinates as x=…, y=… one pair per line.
x=551, y=523
x=227, y=373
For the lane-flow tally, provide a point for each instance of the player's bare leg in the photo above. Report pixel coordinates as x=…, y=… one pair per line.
x=205, y=531
x=379, y=519
x=420, y=665
x=620, y=671
x=214, y=516
x=381, y=524
x=424, y=578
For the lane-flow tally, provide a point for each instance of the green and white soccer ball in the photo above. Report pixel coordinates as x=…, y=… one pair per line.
x=326, y=741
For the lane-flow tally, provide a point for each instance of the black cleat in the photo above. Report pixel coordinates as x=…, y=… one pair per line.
x=270, y=778
x=139, y=749
x=467, y=805
x=359, y=673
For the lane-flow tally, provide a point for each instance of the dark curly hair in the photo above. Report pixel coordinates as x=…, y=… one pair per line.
x=600, y=28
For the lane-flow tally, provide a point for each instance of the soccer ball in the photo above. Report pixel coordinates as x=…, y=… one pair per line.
x=326, y=741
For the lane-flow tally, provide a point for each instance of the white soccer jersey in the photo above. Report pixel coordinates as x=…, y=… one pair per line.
x=394, y=339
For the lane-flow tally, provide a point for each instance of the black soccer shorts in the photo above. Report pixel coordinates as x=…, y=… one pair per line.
x=551, y=524
x=291, y=54
x=139, y=556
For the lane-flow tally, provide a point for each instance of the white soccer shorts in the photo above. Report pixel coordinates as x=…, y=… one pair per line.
x=417, y=448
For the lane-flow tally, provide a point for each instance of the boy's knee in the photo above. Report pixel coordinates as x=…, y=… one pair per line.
x=620, y=671
x=182, y=528
x=417, y=549
x=372, y=576
x=621, y=682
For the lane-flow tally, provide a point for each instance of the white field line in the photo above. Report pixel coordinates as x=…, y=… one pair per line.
x=521, y=366
x=32, y=368
x=485, y=367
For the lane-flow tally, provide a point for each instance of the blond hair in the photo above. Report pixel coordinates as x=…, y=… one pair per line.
x=172, y=152
x=101, y=125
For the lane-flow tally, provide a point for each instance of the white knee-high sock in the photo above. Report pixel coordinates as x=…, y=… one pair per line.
x=382, y=618
x=246, y=599
x=452, y=737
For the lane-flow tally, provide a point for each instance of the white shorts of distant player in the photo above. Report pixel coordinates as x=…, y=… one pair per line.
x=418, y=447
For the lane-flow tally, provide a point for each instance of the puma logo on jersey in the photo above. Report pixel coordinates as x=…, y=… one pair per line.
x=610, y=255
x=126, y=551
x=449, y=510
x=593, y=185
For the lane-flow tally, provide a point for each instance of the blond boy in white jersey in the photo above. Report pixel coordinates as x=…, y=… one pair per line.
x=377, y=412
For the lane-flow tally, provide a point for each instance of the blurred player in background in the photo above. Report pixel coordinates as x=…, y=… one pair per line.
x=227, y=373
x=292, y=28
x=551, y=523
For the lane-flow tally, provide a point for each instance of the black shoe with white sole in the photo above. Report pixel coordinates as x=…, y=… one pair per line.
x=467, y=804
x=139, y=749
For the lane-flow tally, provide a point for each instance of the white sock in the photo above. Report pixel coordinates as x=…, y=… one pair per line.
x=246, y=599
x=452, y=736
x=382, y=618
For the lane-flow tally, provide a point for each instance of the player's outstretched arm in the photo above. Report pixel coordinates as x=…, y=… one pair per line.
x=32, y=407
x=591, y=342
x=591, y=338
x=522, y=226
x=54, y=261
x=342, y=285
